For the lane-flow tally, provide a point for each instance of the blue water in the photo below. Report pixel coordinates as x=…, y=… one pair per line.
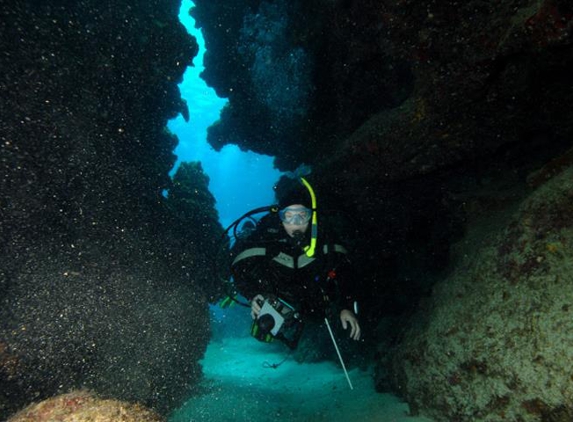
x=240, y=181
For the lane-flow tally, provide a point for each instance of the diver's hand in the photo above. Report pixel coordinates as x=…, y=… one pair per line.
x=347, y=317
x=256, y=306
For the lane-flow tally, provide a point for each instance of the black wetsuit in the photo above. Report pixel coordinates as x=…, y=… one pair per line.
x=269, y=261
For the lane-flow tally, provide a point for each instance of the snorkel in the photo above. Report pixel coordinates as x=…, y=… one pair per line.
x=310, y=249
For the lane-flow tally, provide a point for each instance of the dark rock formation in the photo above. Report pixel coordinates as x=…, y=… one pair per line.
x=476, y=77
x=298, y=75
x=194, y=207
x=100, y=281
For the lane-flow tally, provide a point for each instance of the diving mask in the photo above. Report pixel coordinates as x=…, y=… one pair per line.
x=297, y=216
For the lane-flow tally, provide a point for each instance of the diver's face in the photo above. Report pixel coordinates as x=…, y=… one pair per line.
x=292, y=229
x=292, y=217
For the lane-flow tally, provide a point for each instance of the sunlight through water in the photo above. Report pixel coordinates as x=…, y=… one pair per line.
x=240, y=181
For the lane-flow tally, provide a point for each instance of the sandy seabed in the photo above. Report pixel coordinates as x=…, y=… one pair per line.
x=238, y=387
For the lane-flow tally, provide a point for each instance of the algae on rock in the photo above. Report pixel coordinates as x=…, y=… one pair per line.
x=496, y=339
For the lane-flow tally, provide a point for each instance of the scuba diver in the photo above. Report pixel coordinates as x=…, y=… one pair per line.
x=293, y=270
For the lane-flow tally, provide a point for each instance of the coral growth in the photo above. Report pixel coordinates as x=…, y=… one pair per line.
x=83, y=406
x=486, y=349
x=530, y=243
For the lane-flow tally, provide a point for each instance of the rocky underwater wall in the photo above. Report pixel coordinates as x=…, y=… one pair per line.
x=495, y=340
x=103, y=282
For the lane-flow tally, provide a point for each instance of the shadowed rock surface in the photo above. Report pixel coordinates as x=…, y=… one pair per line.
x=101, y=285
